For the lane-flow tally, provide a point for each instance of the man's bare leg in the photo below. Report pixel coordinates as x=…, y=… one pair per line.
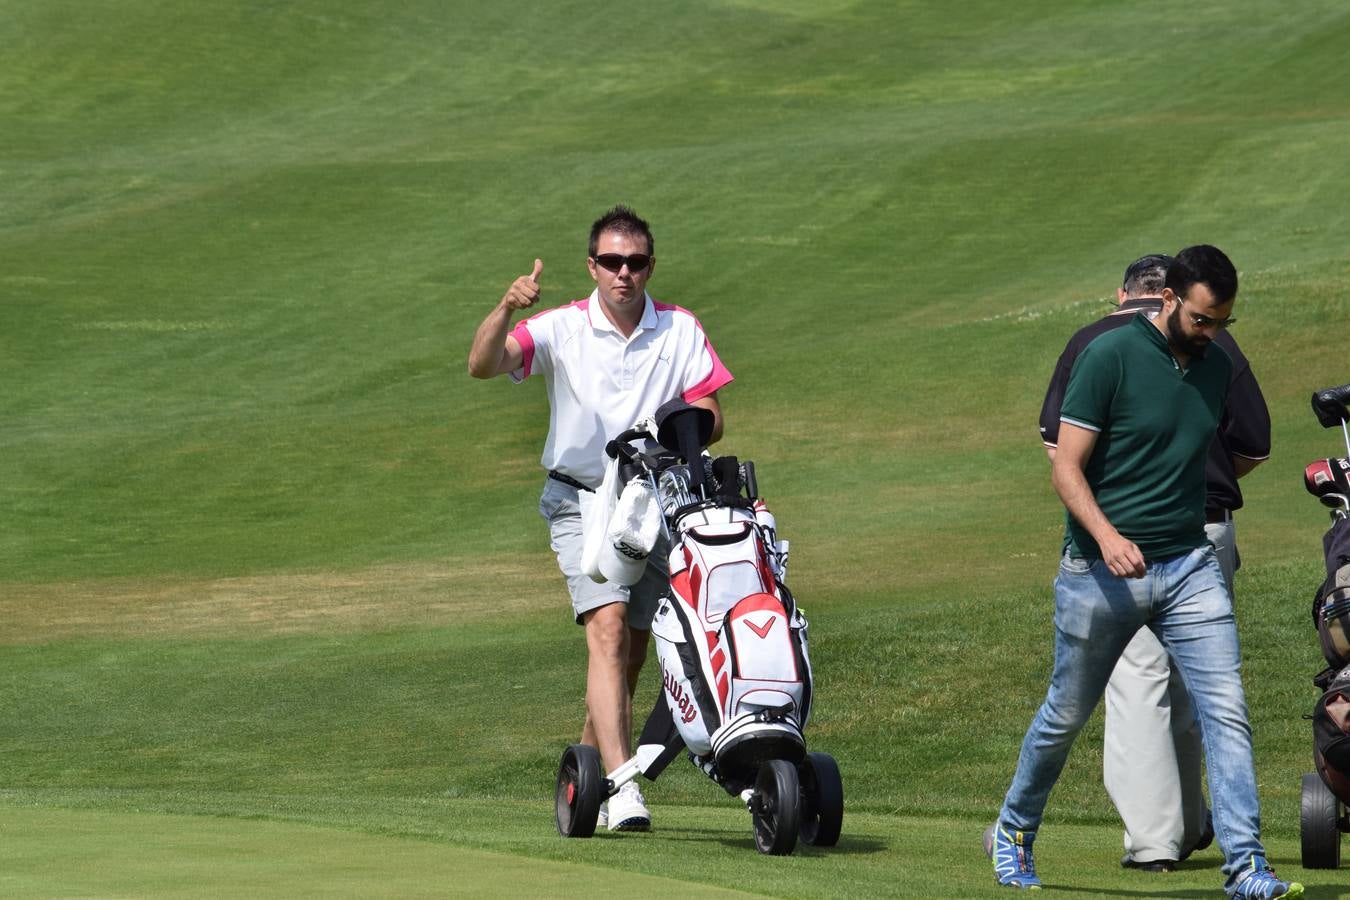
x=609, y=708
x=638, y=639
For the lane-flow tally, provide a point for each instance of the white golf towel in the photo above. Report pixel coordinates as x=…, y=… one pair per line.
x=620, y=528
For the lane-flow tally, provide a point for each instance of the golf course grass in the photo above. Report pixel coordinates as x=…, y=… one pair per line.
x=62, y=852
x=278, y=616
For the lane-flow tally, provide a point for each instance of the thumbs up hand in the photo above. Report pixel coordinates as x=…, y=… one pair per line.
x=524, y=291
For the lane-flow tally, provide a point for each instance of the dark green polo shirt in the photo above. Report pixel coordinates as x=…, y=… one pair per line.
x=1155, y=423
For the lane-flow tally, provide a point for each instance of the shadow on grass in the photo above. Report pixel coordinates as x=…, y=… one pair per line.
x=858, y=846
x=849, y=845
x=1119, y=892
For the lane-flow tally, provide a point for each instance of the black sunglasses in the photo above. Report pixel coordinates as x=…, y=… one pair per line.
x=614, y=262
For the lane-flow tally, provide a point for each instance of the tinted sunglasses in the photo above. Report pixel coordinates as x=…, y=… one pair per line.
x=1206, y=322
x=614, y=262
x=1202, y=321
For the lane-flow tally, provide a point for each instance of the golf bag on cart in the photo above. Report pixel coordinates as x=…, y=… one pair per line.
x=1326, y=792
x=731, y=644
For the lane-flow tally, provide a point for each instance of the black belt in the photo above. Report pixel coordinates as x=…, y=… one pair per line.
x=1215, y=516
x=569, y=480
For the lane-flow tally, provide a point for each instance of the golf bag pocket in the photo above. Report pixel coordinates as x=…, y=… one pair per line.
x=725, y=563
x=765, y=661
x=1331, y=736
x=770, y=687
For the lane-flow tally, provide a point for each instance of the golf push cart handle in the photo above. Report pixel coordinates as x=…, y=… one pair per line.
x=632, y=434
x=1329, y=404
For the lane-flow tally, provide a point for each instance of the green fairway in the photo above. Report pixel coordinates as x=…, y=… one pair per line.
x=62, y=852
x=127, y=854
x=271, y=572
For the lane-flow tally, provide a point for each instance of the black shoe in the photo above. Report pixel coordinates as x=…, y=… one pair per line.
x=1153, y=865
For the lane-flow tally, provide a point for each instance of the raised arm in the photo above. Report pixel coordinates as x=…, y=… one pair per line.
x=1075, y=445
x=494, y=351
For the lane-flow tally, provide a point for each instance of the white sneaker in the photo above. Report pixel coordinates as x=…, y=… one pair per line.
x=602, y=820
x=628, y=810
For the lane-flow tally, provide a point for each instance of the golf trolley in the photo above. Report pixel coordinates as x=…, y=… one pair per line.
x=1325, y=793
x=731, y=643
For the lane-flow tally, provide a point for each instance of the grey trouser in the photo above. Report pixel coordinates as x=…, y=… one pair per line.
x=558, y=504
x=1151, y=762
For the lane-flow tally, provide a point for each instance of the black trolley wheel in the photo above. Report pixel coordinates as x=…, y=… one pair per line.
x=1319, y=821
x=576, y=798
x=774, y=807
x=822, y=804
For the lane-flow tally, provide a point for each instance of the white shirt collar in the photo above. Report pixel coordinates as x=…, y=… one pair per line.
x=596, y=314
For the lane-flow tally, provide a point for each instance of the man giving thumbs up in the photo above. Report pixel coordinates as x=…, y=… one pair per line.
x=608, y=361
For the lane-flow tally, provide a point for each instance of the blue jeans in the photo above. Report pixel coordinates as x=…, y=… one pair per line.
x=1184, y=601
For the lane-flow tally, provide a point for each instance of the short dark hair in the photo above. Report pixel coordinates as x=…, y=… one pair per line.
x=1203, y=264
x=1146, y=276
x=623, y=220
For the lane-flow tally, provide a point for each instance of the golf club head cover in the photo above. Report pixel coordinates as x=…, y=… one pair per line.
x=1329, y=405
x=686, y=429
x=683, y=428
x=727, y=473
x=1327, y=476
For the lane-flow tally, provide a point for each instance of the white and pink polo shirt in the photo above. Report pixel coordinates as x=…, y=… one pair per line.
x=600, y=383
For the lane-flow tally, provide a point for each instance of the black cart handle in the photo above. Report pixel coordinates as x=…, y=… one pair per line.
x=1329, y=404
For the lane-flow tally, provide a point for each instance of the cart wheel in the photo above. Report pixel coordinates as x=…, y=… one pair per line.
x=1319, y=815
x=774, y=807
x=576, y=798
x=822, y=800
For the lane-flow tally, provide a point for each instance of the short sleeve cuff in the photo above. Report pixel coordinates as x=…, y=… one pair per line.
x=1081, y=424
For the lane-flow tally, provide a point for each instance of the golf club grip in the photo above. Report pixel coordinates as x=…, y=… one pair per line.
x=1329, y=405
x=751, y=484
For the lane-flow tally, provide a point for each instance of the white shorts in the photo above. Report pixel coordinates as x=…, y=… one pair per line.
x=558, y=505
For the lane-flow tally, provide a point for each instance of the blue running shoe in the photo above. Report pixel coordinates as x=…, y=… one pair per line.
x=1011, y=853
x=1259, y=883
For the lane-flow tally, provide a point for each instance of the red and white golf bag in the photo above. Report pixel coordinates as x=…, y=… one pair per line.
x=736, y=684
x=732, y=644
